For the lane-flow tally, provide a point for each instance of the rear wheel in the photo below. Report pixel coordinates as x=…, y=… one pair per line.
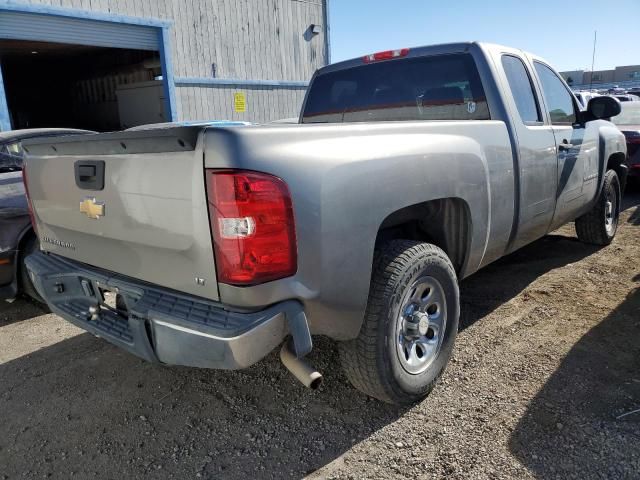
x=27, y=287
x=410, y=324
x=599, y=225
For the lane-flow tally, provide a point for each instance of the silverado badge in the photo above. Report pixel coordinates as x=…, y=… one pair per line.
x=91, y=208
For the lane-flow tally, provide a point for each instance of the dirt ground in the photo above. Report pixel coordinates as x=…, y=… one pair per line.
x=544, y=383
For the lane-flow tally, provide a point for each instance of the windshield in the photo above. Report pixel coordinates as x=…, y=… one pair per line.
x=439, y=87
x=630, y=114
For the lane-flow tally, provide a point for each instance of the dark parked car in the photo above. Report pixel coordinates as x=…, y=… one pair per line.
x=629, y=123
x=17, y=238
x=627, y=97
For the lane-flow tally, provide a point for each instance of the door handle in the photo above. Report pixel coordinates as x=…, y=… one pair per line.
x=565, y=145
x=89, y=174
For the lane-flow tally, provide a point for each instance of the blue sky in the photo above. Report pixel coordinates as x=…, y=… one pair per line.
x=560, y=31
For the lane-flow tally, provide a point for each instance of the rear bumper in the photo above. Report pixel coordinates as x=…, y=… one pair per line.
x=161, y=325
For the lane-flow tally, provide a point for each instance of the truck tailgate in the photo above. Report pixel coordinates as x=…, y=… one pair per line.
x=149, y=220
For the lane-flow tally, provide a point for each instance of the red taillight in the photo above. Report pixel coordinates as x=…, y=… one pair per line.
x=386, y=55
x=26, y=192
x=253, y=227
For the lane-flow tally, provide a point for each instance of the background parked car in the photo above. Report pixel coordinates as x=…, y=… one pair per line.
x=197, y=123
x=17, y=238
x=627, y=97
x=629, y=123
x=584, y=97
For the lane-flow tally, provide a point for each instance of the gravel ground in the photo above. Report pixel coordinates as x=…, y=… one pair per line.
x=546, y=364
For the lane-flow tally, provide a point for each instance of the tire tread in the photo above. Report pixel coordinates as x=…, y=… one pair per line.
x=359, y=357
x=590, y=227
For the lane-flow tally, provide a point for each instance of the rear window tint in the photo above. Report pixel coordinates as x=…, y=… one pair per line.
x=442, y=87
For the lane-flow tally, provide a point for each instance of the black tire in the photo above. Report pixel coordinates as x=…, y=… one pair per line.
x=26, y=286
x=372, y=362
x=599, y=225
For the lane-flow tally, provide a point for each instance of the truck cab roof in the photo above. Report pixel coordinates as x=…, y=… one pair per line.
x=438, y=49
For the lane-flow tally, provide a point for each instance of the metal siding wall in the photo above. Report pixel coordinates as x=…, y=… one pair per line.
x=264, y=104
x=248, y=39
x=245, y=39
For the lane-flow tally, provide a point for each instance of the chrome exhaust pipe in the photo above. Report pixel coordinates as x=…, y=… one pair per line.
x=300, y=369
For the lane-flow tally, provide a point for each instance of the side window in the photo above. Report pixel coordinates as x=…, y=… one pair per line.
x=558, y=99
x=521, y=89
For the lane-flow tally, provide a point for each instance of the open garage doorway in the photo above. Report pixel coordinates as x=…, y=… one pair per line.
x=50, y=84
x=64, y=67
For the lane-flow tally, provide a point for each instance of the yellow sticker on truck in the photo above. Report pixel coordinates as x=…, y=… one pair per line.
x=240, y=102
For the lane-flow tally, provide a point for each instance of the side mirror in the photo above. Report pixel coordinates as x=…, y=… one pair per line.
x=604, y=107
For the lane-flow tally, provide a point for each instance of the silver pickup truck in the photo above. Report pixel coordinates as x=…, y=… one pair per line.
x=408, y=171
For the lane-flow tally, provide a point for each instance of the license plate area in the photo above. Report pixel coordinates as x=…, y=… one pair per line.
x=109, y=314
x=108, y=298
x=112, y=301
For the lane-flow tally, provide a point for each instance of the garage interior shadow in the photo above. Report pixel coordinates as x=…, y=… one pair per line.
x=86, y=408
x=78, y=86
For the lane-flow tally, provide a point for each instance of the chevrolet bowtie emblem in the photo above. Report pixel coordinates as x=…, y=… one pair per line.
x=91, y=208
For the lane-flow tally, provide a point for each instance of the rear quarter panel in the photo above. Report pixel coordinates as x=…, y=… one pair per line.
x=345, y=179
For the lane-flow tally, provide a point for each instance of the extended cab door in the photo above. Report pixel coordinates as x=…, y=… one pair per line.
x=576, y=149
x=536, y=152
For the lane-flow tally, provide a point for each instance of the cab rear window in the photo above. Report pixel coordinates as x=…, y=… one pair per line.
x=439, y=87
